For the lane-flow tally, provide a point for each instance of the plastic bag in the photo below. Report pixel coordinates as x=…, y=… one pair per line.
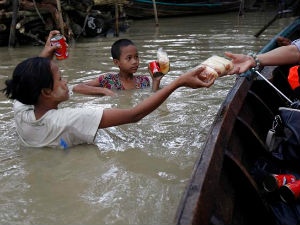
x=163, y=61
x=284, y=143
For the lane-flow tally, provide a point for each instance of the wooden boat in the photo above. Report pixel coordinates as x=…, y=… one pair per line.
x=165, y=8
x=222, y=189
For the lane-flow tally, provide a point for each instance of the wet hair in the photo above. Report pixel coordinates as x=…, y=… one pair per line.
x=116, y=47
x=28, y=80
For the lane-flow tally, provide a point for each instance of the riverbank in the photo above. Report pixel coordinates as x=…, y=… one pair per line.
x=29, y=21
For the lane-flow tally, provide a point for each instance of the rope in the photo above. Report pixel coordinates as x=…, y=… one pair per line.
x=265, y=79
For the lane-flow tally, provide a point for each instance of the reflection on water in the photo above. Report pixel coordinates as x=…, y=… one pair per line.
x=135, y=174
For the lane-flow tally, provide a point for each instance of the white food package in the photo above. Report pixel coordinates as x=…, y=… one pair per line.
x=217, y=66
x=163, y=61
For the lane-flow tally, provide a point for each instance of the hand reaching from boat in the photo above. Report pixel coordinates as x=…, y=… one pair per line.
x=284, y=55
x=241, y=63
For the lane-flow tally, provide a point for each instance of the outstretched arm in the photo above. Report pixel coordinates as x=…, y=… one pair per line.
x=115, y=117
x=280, y=56
x=92, y=88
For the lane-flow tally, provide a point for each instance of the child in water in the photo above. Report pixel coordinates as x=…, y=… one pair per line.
x=38, y=89
x=125, y=56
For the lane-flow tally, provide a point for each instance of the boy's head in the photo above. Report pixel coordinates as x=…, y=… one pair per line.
x=116, y=48
x=125, y=56
x=29, y=78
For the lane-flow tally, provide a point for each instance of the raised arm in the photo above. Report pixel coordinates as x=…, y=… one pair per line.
x=48, y=51
x=280, y=56
x=114, y=117
x=155, y=82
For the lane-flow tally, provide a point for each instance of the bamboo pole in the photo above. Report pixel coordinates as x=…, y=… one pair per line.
x=267, y=25
x=242, y=7
x=12, y=34
x=8, y=15
x=117, y=20
x=60, y=18
x=155, y=13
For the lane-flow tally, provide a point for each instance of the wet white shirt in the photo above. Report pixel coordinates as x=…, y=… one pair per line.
x=58, y=127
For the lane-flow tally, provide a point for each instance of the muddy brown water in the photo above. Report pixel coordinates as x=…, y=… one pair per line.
x=134, y=174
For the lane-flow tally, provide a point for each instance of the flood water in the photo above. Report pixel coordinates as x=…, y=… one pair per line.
x=135, y=174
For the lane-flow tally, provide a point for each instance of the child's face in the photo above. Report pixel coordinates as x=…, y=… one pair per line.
x=129, y=59
x=60, y=89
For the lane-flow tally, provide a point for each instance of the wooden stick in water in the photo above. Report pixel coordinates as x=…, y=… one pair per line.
x=155, y=13
x=60, y=18
x=12, y=34
x=117, y=20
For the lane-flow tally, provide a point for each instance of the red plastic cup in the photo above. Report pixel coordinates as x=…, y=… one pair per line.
x=154, y=69
x=275, y=181
x=290, y=192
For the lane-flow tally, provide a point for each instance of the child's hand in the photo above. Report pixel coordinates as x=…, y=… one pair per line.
x=108, y=92
x=48, y=51
x=196, y=79
x=157, y=78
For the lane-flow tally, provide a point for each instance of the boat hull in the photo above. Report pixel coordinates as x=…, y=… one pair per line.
x=222, y=189
x=144, y=8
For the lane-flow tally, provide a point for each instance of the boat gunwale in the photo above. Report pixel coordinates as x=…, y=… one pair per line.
x=212, y=155
x=145, y=10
